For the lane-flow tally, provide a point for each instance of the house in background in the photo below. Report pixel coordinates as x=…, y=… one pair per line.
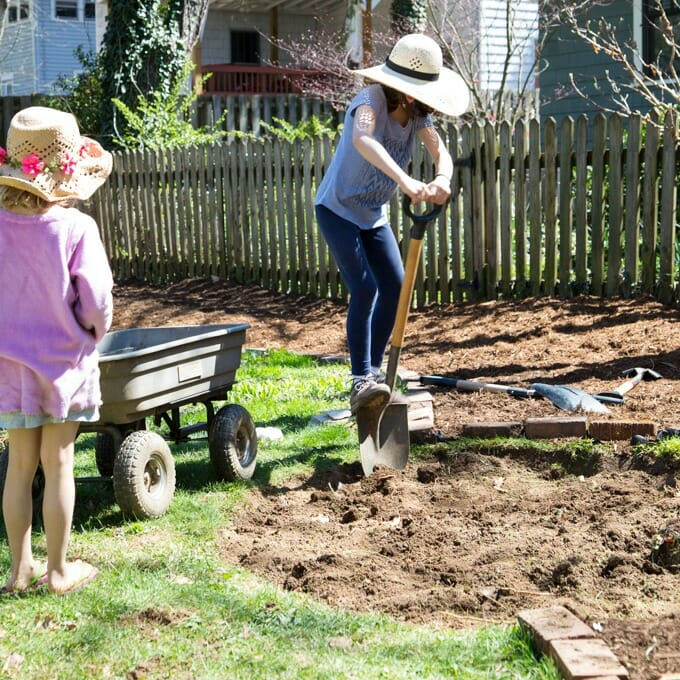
x=566, y=55
x=238, y=40
x=494, y=19
x=38, y=42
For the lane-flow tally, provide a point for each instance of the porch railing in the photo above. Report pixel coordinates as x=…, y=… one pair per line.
x=228, y=79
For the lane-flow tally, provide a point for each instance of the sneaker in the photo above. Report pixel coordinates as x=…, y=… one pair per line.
x=380, y=378
x=368, y=392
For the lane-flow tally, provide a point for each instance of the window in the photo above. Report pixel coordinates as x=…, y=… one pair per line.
x=66, y=9
x=245, y=47
x=6, y=85
x=655, y=50
x=89, y=12
x=17, y=10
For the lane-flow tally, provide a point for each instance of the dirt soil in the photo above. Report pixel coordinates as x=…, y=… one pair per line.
x=471, y=540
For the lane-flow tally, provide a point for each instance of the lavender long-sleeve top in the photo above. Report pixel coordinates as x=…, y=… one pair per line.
x=55, y=305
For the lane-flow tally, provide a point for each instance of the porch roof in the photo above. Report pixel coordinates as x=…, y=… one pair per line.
x=292, y=6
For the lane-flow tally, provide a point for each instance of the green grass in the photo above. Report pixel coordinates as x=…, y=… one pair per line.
x=167, y=605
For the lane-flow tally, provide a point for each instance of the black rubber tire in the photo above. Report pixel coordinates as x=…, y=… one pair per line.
x=105, y=450
x=144, y=475
x=232, y=442
x=37, y=491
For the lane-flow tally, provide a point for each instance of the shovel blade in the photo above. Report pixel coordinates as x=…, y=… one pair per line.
x=383, y=436
x=570, y=398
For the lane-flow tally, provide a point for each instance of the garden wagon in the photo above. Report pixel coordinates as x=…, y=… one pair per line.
x=153, y=373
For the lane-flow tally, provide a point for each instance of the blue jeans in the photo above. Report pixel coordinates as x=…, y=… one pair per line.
x=370, y=264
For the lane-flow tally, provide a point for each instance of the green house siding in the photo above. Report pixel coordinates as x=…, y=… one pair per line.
x=566, y=55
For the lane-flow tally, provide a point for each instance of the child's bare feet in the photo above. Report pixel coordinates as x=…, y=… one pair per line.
x=76, y=575
x=36, y=576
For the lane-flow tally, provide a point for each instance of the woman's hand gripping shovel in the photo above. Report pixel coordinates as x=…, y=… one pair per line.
x=383, y=430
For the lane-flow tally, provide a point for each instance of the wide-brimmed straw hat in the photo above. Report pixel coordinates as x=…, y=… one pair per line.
x=47, y=156
x=415, y=68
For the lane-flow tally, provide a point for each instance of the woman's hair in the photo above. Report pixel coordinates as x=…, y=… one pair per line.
x=18, y=200
x=393, y=97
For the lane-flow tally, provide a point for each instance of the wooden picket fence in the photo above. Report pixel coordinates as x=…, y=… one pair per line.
x=553, y=210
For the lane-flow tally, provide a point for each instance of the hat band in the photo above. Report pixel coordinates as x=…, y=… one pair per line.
x=412, y=73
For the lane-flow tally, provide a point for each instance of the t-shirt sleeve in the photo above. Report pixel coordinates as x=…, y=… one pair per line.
x=424, y=122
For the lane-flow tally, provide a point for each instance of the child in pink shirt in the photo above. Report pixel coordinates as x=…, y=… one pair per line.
x=55, y=306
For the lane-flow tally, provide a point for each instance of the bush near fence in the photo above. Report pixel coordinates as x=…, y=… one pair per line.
x=559, y=210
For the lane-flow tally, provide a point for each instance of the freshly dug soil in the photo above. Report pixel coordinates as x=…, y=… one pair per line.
x=472, y=539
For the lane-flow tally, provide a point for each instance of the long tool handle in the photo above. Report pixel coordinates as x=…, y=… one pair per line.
x=415, y=248
x=474, y=386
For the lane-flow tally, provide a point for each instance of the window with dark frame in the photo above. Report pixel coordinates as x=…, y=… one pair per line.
x=66, y=9
x=17, y=11
x=88, y=10
x=655, y=50
x=245, y=47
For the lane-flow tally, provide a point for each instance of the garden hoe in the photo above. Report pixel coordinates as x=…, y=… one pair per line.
x=383, y=431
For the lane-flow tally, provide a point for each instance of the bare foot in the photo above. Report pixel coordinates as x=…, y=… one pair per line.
x=36, y=576
x=76, y=575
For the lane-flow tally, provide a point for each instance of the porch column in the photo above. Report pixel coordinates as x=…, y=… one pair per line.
x=274, y=35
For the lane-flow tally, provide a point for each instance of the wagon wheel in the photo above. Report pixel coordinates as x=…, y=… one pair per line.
x=144, y=475
x=105, y=448
x=37, y=489
x=108, y=442
x=232, y=442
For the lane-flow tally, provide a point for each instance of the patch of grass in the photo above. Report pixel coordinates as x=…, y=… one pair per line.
x=664, y=449
x=575, y=456
x=168, y=605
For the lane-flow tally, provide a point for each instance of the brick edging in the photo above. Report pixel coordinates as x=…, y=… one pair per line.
x=577, y=651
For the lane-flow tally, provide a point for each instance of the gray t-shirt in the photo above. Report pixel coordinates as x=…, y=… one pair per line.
x=352, y=187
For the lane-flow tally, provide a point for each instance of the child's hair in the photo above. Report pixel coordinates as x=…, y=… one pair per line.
x=20, y=200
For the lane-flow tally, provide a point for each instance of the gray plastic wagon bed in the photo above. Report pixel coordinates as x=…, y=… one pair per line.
x=152, y=372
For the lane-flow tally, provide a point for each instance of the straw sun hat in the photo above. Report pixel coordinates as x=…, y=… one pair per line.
x=414, y=68
x=47, y=156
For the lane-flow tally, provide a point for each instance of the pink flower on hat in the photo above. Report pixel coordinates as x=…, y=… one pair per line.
x=3, y=155
x=68, y=166
x=32, y=165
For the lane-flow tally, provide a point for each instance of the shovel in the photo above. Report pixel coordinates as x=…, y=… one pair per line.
x=571, y=398
x=563, y=396
x=383, y=431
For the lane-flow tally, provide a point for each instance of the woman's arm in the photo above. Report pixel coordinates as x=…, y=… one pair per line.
x=363, y=138
x=440, y=187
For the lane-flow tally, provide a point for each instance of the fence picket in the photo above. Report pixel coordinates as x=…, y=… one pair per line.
x=565, y=206
x=668, y=212
x=597, y=225
x=615, y=206
x=580, y=283
x=550, y=206
x=632, y=207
